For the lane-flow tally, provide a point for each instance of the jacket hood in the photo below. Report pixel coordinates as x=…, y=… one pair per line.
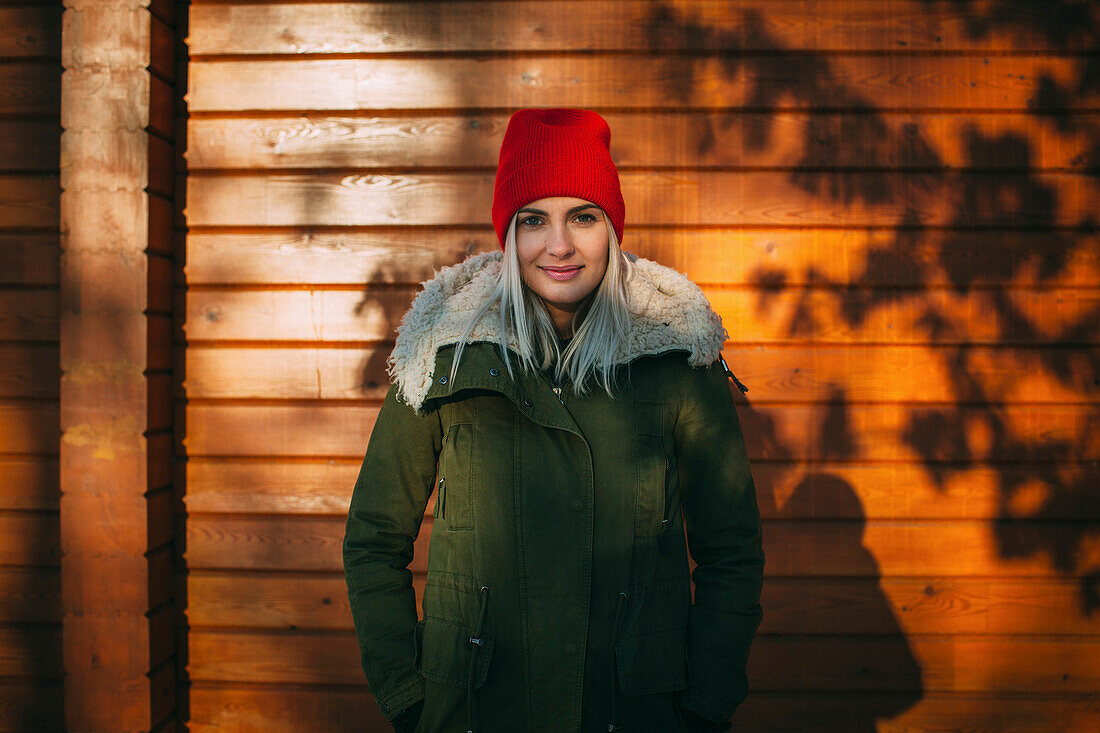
x=668, y=313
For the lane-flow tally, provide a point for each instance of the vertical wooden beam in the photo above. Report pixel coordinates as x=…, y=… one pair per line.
x=115, y=533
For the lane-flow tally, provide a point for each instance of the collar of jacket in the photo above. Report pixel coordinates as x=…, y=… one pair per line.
x=669, y=313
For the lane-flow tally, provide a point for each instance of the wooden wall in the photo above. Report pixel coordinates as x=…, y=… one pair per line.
x=892, y=204
x=118, y=609
x=30, y=612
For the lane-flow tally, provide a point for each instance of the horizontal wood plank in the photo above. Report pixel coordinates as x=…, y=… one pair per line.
x=789, y=82
x=30, y=595
x=30, y=88
x=956, y=664
x=30, y=200
x=29, y=704
x=789, y=433
x=931, y=712
x=728, y=256
x=679, y=25
x=794, y=548
x=29, y=315
x=776, y=373
x=961, y=605
x=216, y=708
x=30, y=539
x=30, y=145
x=946, y=664
x=666, y=198
x=784, y=490
x=29, y=259
x=30, y=427
x=30, y=371
x=29, y=482
x=758, y=315
x=892, y=140
x=30, y=32
x=31, y=651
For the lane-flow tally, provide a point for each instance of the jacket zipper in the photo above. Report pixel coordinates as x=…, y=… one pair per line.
x=666, y=520
x=441, y=499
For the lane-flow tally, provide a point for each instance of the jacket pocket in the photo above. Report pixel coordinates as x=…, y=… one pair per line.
x=455, y=483
x=443, y=653
x=651, y=647
x=652, y=503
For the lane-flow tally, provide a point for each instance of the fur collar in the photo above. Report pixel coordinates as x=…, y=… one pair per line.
x=670, y=314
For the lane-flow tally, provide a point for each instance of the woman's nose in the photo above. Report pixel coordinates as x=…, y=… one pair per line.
x=560, y=243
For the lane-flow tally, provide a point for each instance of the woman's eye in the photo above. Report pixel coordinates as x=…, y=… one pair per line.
x=531, y=221
x=585, y=218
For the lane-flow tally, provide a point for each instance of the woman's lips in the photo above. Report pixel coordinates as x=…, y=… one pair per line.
x=562, y=274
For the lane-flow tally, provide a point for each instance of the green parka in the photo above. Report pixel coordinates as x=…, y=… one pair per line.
x=557, y=596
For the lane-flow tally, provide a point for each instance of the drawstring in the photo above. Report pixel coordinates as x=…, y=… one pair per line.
x=614, y=635
x=729, y=373
x=476, y=640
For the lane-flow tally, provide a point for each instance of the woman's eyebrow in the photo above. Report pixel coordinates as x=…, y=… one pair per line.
x=574, y=210
x=582, y=207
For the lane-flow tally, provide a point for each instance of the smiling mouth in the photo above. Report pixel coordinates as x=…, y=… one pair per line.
x=562, y=273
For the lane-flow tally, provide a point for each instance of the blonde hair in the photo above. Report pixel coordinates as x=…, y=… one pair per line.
x=600, y=335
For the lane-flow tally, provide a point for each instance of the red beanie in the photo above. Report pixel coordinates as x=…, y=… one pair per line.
x=556, y=152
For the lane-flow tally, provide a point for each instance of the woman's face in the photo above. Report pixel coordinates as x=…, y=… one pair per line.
x=562, y=245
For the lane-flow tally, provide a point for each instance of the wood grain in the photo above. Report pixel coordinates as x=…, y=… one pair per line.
x=37, y=703
x=29, y=372
x=30, y=88
x=958, y=605
x=794, y=548
x=833, y=314
x=774, y=373
x=285, y=709
x=28, y=259
x=933, y=712
x=776, y=663
x=783, y=82
x=30, y=32
x=30, y=482
x=30, y=145
x=785, y=489
x=29, y=539
x=29, y=315
x=30, y=427
x=711, y=25
x=667, y=198
x=31, y=652
x=689, y=139
x=30, y=595
x=30, y=201
x=304, y=256
x=886, y=432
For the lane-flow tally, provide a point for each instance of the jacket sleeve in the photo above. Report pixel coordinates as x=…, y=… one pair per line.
x=387, y=506
x=723, y=530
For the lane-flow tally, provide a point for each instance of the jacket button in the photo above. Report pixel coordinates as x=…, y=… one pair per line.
x=493, y=371
x=527, y=402
x=442, y=380
x=384, y=706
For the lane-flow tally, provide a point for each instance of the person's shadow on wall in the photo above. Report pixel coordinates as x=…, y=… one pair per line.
x=874, y=654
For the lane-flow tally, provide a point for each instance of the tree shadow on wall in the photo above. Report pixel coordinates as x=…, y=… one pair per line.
x=974, y=245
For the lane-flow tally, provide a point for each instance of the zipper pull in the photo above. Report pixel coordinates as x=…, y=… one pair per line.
x=441, y=498
x=557, y=391
x=729, y=373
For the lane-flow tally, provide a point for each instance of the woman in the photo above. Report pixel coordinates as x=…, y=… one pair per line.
x=566, y=402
